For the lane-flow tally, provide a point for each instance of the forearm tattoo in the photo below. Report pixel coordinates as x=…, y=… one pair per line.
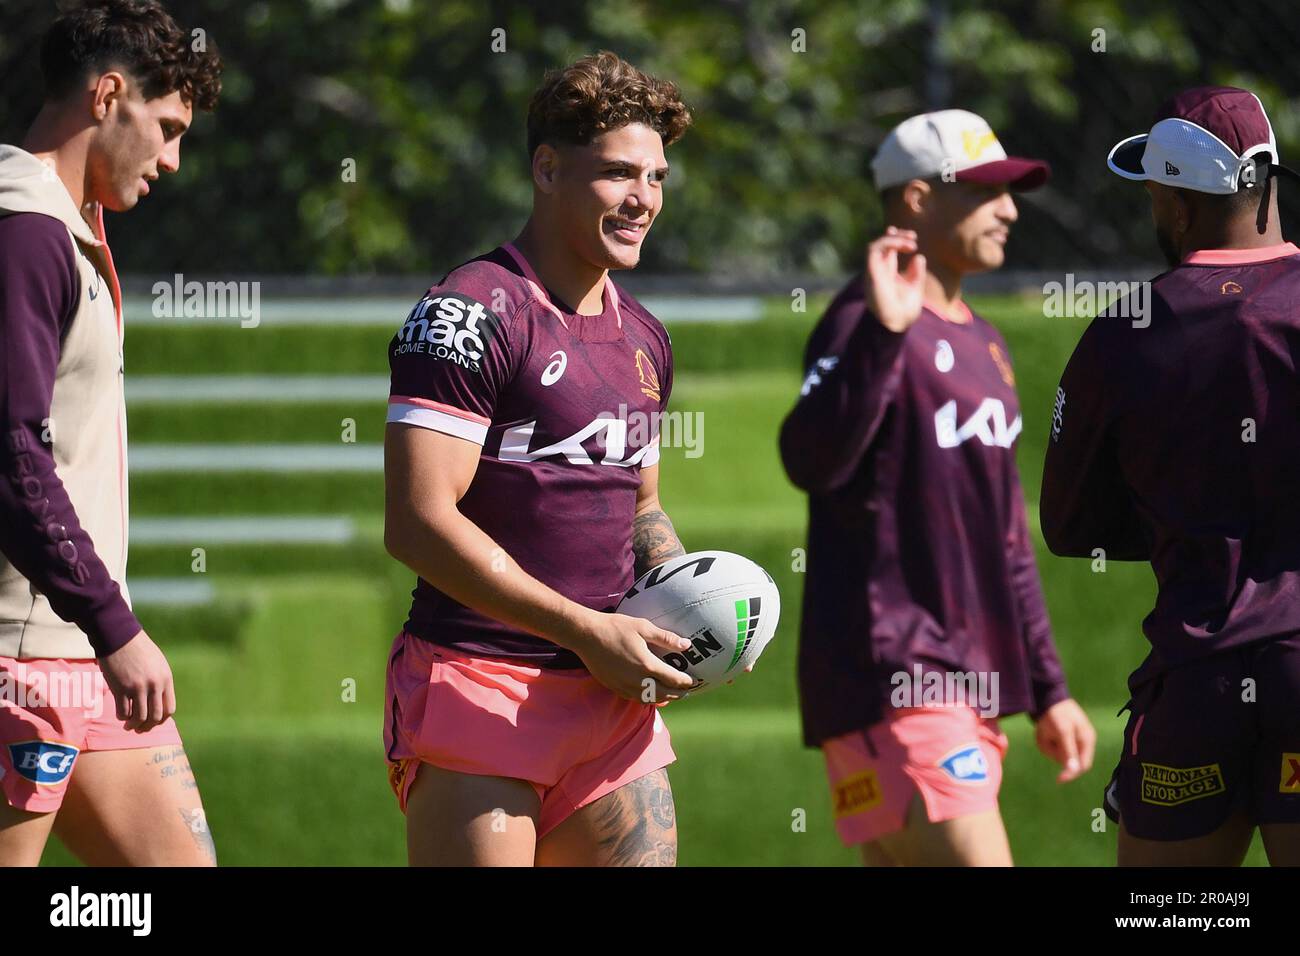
x=654, y=541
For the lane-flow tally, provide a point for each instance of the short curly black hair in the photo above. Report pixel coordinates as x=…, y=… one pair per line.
x=137, y=36
x=599, y=93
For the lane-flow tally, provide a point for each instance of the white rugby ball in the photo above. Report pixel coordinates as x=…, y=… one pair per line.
x=724, y=604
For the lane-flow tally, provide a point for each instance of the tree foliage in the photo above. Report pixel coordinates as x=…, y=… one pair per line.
x=791, y=99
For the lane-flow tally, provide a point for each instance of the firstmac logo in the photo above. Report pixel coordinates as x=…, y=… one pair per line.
x=448, y=326
x=988, y=424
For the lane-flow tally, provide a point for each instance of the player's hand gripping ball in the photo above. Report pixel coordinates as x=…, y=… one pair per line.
x=724, y=604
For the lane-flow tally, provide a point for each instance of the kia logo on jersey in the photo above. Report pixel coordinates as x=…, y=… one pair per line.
x=988, y=424
x=515, y=445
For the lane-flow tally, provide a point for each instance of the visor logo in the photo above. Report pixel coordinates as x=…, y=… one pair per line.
x=974, y=142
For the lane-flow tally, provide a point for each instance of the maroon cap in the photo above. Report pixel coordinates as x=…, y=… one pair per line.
x=1018, y=173
x=1235, y=116
x=1187, y=147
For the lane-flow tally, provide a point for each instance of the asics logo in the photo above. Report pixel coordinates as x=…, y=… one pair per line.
x=943, y=357
x=551, y=374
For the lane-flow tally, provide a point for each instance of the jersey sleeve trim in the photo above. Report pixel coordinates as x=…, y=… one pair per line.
x=440, y=407
x=651, y=456
x=438, y=417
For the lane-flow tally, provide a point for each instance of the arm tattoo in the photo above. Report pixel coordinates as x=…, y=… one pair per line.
x=654, y=541
x=637, y=824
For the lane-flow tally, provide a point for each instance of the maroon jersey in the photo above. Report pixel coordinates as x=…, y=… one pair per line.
x=566, y=408
x=1176, y=440
x=918, y=550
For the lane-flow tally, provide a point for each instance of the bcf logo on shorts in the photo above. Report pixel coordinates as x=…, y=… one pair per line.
x=967, y=765
x=43, y=762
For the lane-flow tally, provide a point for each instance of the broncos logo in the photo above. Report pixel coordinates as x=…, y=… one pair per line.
x=645, y=370
x=1004, y=367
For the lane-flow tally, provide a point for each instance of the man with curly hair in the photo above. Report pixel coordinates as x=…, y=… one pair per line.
x=88, y=747
x=521, y=726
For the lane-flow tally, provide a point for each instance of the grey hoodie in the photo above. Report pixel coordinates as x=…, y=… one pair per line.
x=63, y=494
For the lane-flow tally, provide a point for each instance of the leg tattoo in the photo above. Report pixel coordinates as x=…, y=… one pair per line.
x=174, y=763
x=637, y=823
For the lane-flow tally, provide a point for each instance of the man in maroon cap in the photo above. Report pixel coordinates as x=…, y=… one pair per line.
x=1176, y=440
x=923, y=619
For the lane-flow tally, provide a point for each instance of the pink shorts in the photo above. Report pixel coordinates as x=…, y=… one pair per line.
x=949, y=755
x=51, y=710
x=569, y=736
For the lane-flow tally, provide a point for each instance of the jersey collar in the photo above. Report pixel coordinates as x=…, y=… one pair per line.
x=960, y=315
x=539, y=291
x=1239, y=257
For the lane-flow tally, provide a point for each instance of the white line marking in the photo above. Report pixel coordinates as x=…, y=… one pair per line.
x=153, y=389
x=251, y=529
x=172, y=592
x=155, y=459
x=389, y=312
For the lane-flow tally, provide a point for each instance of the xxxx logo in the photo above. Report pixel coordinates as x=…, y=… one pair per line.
x=856, y=793
x=1290, y=774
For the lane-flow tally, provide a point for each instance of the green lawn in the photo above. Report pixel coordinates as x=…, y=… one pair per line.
x=292, y=773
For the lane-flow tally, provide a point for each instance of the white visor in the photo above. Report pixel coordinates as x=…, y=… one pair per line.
x=1179, y=153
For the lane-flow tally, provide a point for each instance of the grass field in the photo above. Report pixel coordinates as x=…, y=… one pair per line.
x=292, y=770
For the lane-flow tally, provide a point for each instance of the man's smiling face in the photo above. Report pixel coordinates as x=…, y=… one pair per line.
x=609, y=192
